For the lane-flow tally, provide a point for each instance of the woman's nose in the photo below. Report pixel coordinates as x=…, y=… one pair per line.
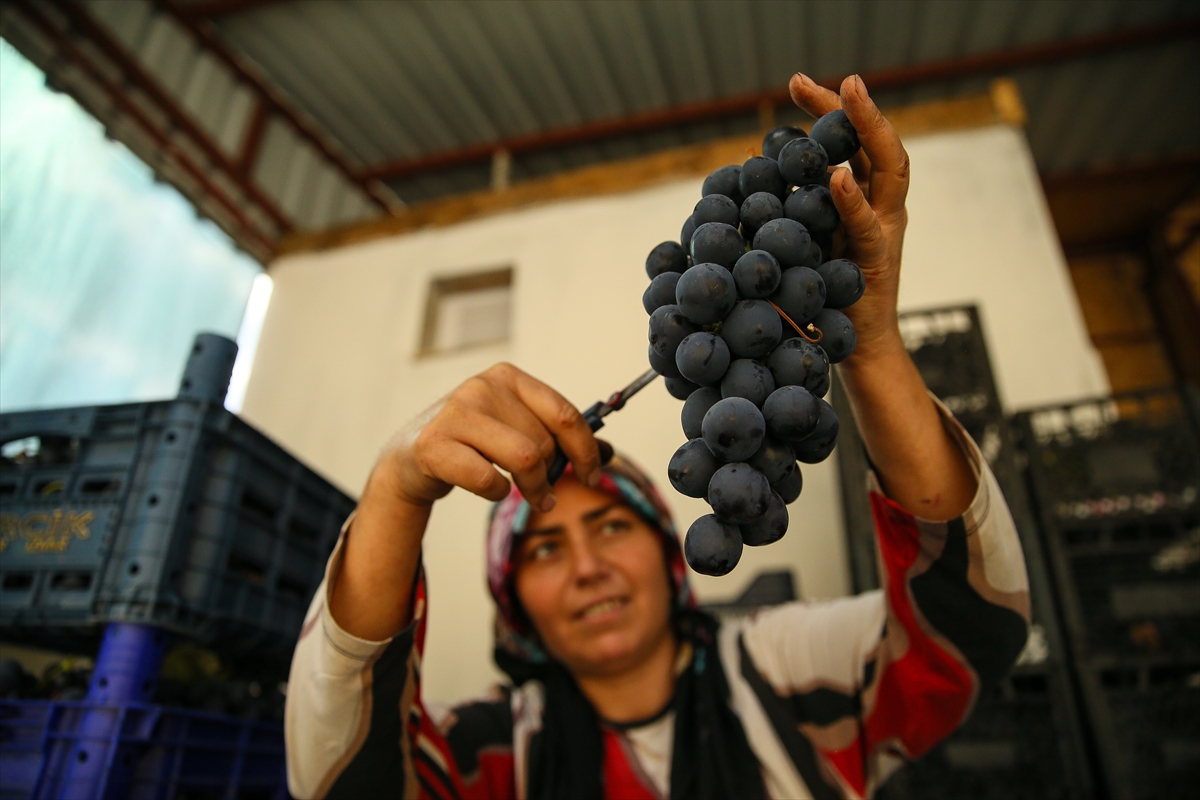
x=588, y=562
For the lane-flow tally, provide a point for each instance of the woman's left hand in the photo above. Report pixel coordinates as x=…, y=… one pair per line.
x=870, y=199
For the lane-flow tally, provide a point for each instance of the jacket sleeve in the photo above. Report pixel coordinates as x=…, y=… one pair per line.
x=354, y=724
x=853, y=687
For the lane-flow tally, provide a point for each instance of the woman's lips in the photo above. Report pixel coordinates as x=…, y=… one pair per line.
x=602, y=608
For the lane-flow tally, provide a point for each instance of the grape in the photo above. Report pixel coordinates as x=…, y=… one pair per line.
x=837, y=334
x=816, y=256
x=791, y=413
x=724, y=181
x=695, y=407
x=817, y=446
x=844, y=282
x=712, y=547
x=660, y=292
x=812, y=207
x=663, y=365
x=776, y=138
x=752, y=329
x=801, y=294
x=748, y=379
x=752, y=406
x=715, y=208
x=756, y=274
x=774, y=459
x=685, y=235
x=836, y=135
x=717, y=243
x=702, y=358
x=706, y=293
x=680, y=388
x=761, y=174
x=666, y=257
x=785, y=239
x=733, y=429
x=789, y=488
x=759, y=209
x=768, y=528
x=668, y=326
x=739, y=493
x=803, y=161
x=797, y=362
x=825, y=242
x=692, y=467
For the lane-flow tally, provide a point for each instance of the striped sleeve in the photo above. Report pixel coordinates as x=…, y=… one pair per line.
x=355, y=722
x=837, y=695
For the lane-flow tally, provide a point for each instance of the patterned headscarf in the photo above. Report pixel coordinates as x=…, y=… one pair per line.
x=622, y=480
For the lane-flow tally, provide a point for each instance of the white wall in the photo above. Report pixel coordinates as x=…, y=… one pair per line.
x=336, y=374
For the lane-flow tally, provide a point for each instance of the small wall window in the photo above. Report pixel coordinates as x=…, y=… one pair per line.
x=467, y=311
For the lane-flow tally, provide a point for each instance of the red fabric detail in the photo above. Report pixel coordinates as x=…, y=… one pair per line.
x=924, y=695
x=496, y=779
x=434, y=778
x=621, y=781
x=849, y=765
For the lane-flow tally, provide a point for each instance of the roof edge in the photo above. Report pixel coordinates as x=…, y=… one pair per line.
x=1002, y=104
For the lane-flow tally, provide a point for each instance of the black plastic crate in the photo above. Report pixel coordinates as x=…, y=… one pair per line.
x=1132, y=588
x=950, y=352
x=1011, y=747
x=1124, y=457
x=172, y=513
x=1116, y=483
x=1024, y=740
x=1146, y=715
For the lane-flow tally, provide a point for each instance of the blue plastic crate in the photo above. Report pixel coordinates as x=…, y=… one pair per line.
x=48, y=750
x=175, y=514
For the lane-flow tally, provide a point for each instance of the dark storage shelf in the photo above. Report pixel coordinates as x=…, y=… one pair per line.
x=1025, y=740
x=172, y=513
x=1012, y=746
x=151, y=752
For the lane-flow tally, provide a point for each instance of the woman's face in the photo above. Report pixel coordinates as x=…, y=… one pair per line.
x=592, y=577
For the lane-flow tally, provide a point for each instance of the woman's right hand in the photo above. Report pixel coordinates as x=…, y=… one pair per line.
x=499, y=418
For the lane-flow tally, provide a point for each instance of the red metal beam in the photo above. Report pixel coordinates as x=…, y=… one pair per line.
x=207, y=9
x=81, y=21
x=895, y=78
x=120, y=99
x=1033, y=54
x=252, y=141
x=207, y=36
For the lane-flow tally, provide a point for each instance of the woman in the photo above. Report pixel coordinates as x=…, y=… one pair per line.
x=622, y=689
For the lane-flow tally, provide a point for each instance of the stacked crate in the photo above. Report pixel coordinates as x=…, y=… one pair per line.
x=1117, y=485
x=1024, y=739
x=125, y=528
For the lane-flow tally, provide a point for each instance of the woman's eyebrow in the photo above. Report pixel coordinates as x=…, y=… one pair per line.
x=599, y=512
x=543, y=531
x=556, y=529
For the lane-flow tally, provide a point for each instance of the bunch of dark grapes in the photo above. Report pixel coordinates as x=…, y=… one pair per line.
x=745, y=319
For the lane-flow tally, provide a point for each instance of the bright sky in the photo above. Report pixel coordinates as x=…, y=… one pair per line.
x=105, y=274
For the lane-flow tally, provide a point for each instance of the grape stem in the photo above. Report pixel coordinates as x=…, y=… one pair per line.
x=804, y=332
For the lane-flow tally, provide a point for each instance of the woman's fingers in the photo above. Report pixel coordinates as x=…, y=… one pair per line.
x=819, y=101
x=454, y=463
x=816, y=100
x=507, y=448
x=565, y=423
x=861, y=224
x=509, y=409
x=888, y=183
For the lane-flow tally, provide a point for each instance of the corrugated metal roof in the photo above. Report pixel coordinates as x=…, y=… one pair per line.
x=398, y=80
